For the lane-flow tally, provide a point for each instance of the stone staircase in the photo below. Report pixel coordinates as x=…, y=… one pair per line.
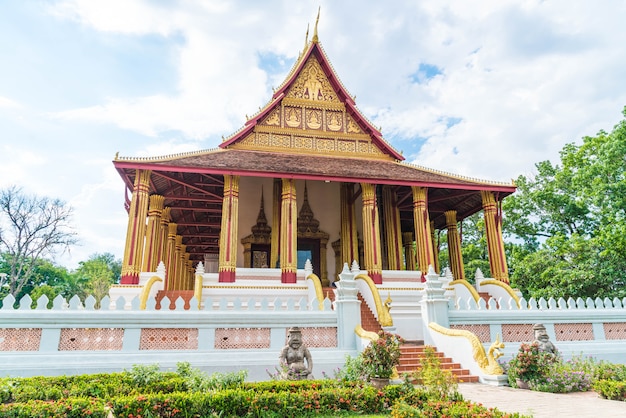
x=368, y=320
x=413, y=352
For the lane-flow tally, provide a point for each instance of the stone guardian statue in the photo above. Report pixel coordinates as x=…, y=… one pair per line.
x=542, y=338
x=295, y=357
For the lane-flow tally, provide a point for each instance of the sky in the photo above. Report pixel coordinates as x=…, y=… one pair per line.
x=484, y=89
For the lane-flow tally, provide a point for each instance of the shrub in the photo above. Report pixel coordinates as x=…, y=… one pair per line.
x=529, y=364
x=352, y=370
x=142, y=374
x=437, y=381
x=69, y=408
x=574, y=375
x=199, y=381
x=381, y=356
x=611, y=389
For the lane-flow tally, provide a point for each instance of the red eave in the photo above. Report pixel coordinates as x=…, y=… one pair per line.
x=121, y=165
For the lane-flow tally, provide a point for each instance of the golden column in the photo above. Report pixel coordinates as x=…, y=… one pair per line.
x=186, y=267
x=170, y=255
x=433, y=239
x=275, y=240
x=349, y=240
x=162, y=249
x=454, y=246
x=175, y=270
x=393, y=231
x=371, y=233
x=288, y=232
x=421, y=224
x=409, y=252
x=495, y=243
x=229, y=229
x=136, y=232
x=153, y=233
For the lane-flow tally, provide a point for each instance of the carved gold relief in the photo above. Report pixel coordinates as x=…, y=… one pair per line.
x=302, y=142
x=363, y=147
x=273, y=119
x=325, y=145
x=346, y=146
x=353, y=128
x=293, y=117
x=314, y=119
x=312, y=84
x=334, y=121
x=248, y=141
x=263, y=140
x=281, y=141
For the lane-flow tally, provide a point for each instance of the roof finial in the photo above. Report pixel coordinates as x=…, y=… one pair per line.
x=315, y=40
x=306, y=38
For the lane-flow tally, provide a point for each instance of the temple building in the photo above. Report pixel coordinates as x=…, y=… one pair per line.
x=308, y=177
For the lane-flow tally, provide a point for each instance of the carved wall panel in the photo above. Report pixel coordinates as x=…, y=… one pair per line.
x=273, y=119
x=346, y=146
x=313, y=118
x=20, y=339
x=280, y=141
x=242, y=338
x=83, y=339
x=312, y=84
x=169, y=339
x=334, y=121
x=303, y=142
x=293, y=117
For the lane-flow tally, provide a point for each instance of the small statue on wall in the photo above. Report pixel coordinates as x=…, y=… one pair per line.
x=293, y=357
x=542, y=338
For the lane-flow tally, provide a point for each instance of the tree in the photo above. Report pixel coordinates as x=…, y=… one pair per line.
x=96, y=275
x=571, y=221
x=31, y=228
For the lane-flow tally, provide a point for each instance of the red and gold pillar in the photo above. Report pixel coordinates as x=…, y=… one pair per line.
x=371, y=233
x=423, y=237
x=495, y=243
x=409, y=253
x=276, y=206
x=454, y=246
x=288, y=232
x=162, y=249
x=175, y=270
x=136, y=232
x=349, y=240
x=229, y=230
x=393, y=231
x=433, y=239
x=170, y=255
x=153, y=233
x=185, y=267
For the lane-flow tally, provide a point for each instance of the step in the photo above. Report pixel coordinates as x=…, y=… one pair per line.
x=412, y=354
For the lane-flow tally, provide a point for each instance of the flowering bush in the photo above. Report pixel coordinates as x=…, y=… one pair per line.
x=563, y=382
x=529, y=364
x=382, y=355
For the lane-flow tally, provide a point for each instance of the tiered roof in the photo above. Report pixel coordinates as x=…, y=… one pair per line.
x=310, y=129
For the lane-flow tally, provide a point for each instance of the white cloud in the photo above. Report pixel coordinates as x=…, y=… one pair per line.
x=8, y=103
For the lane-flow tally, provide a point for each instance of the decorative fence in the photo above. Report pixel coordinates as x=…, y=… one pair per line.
x=596, y=327
x=459, y=327
x=70, y=337
x=40, y=340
